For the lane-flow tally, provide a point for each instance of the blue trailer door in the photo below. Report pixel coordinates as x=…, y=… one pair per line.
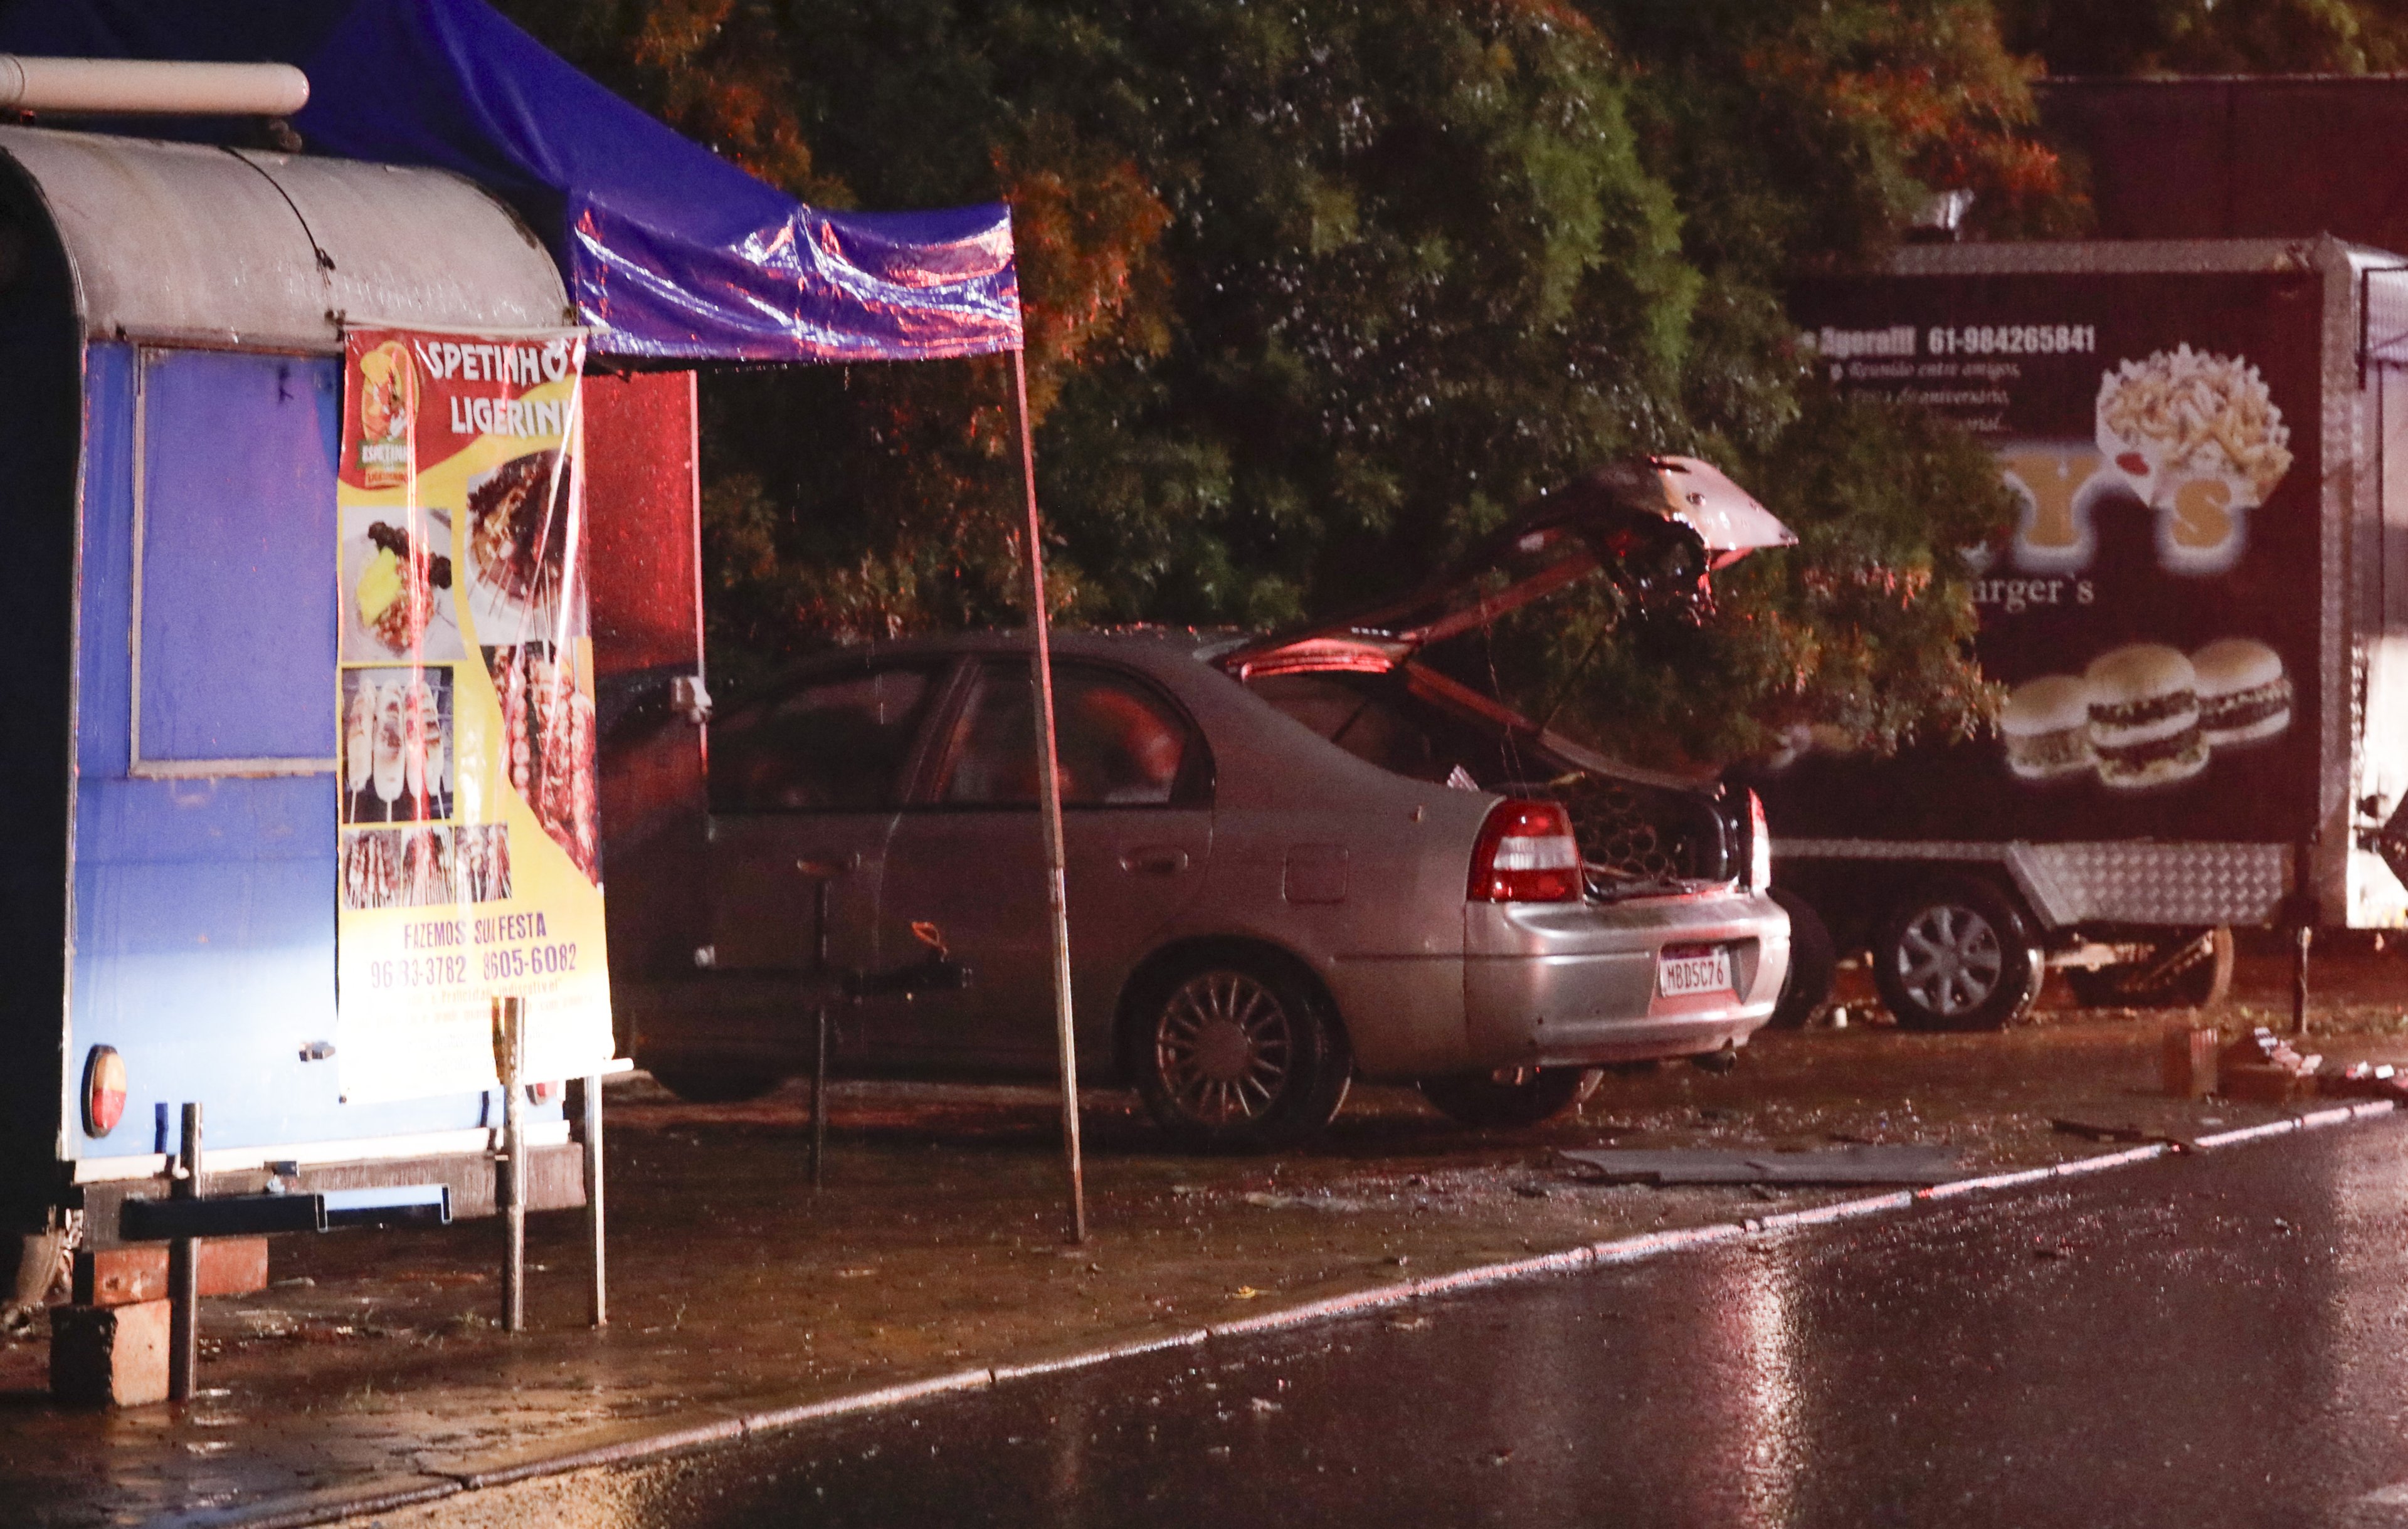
x=205, y=882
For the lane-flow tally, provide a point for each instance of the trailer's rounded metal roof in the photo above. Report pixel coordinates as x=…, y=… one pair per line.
x=177, y=242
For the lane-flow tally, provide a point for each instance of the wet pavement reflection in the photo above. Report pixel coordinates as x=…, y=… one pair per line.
x=2215, y=1339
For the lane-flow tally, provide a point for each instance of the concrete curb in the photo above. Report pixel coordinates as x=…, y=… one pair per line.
x=1618, y=1251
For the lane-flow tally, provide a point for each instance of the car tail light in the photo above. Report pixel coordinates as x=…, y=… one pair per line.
x=1759, y=846
x=1526, y=854
x=104, y=1090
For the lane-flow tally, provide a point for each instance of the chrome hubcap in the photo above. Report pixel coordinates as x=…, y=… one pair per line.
x=1950, y=960
x=1223, y=1048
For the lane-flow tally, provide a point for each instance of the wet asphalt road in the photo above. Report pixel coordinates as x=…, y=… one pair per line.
x=2210, y=1341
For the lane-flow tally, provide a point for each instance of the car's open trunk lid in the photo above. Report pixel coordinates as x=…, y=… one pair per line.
x=1653, y=525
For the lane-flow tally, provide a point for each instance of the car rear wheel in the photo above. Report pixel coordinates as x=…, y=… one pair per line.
x=1954, y=956
x=714, y=1082
x=1814, y=964
x=2190, y=971
x=1234, y=1053
x=1510, y=1097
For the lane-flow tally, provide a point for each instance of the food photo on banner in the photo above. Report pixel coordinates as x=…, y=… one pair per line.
x=2142, y=615
x=470, y=869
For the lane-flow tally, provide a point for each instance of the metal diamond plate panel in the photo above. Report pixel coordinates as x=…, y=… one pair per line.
x=2183, y=884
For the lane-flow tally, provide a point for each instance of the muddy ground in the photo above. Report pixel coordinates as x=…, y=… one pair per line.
x=372, y=1363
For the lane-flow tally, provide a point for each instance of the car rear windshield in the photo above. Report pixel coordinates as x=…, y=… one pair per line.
x=1377, y=720
x=1629, y=834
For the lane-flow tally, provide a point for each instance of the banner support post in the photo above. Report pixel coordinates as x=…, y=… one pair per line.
x=597, y=1305
x=513, y=1184
x=1049, y=787
x=184, y=1269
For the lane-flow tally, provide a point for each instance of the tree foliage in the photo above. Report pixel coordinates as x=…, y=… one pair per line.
x=1319, y=290
x=2211, y=36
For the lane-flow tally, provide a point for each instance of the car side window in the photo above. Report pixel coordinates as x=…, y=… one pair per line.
x=837, y=746
x=1121, y=744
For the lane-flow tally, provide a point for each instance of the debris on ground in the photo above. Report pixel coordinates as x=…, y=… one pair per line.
x=2366, y=1080
x=2263, y=1068
x=2119, y=1131
x=1269, y=1200
x=1829, y=1166
x=2189, y=1060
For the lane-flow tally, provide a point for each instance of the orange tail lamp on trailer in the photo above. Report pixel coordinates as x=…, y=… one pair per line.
x=104, y=1090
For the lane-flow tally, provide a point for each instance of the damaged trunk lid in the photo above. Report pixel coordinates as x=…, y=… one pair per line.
x=1655, y=526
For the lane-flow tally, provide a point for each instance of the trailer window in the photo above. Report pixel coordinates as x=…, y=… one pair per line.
x=234, y=563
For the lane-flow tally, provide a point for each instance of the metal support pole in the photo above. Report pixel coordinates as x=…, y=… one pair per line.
x=820, y=1026
x=2301, y=939
x=1050, y=795
x=184, y=1269
x=819, y=1105
x=598, y=1305
x=513, y=1180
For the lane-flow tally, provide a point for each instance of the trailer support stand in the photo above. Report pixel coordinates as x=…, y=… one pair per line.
x=2301, y=939
x=513, y=1182
x=823, y=873
x=819, y=1103
x=184, y=1270
x=598, y=1301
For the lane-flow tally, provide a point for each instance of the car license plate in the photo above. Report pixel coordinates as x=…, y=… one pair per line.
x=1684, y=970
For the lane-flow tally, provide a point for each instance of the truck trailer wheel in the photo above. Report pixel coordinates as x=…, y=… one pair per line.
x=2192, y=970
x=1954, y=956
x=1814, y=962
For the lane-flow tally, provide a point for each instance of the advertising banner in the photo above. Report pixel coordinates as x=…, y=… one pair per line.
x=2153, y=612
x=469, y=839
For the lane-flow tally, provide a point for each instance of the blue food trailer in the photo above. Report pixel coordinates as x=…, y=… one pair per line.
x=171, y=317
x=174, y=313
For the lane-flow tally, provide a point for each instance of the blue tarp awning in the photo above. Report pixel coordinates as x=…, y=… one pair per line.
x=670, y=252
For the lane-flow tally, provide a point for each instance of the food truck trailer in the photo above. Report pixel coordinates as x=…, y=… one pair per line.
x=2198, y=620
x=182, y=814
x=356, y=576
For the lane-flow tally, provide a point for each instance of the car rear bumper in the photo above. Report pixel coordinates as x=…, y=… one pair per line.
x=1574, y=985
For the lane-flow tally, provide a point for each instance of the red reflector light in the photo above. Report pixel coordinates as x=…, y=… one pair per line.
x=1526, y=854
x=104, y=1090
x=1760, y=845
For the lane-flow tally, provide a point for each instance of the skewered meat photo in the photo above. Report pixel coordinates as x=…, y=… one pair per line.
x=397, y=867
x=480, y=860
x=518, y=530
x=548, y=744
x=397, y=764
x=396, y=591
x=398, y=599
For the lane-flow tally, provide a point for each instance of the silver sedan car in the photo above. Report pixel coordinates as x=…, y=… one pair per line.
x=1292, y=863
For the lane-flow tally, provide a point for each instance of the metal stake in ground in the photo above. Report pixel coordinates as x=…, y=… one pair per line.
x=1049, y=788
x=184, y=1269
x=2302, y=939
x=599, y=1303
x=513, y=1181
